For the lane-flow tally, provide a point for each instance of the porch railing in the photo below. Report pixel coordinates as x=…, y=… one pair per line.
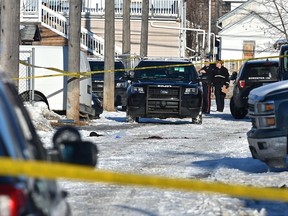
x=157, y=8
x=53, y=15
x=58, y=23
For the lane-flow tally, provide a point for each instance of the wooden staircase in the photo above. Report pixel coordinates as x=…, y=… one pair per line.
x=49, y=38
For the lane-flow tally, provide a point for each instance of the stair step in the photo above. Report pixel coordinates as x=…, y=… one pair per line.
x=50, y=38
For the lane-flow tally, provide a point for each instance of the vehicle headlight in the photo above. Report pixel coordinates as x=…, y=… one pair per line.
x=121, y=85
x=264, y=122
x=137, y=89
x=191, y=91
x=99, y=85
x=265, y=108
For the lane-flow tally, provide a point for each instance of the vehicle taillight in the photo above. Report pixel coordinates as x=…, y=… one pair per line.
x=12, y=200
x=241, y=83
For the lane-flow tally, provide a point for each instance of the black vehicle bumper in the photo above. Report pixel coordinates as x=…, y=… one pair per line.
x=189, y=106
x=269, y=146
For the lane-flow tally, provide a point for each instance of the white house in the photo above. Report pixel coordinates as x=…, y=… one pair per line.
x=235, y=3
x=251, y=29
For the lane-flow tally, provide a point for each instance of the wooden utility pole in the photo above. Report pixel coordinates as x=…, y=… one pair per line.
x=109, y=50
x=144, y=28
x=10, y=37
x=73, y=85
x=126, y=39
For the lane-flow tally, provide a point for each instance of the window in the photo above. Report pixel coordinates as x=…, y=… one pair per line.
x=248, y=49
x=266, y=71
x=157, y=70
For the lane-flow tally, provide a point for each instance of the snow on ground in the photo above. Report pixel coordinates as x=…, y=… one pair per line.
x=216, y=151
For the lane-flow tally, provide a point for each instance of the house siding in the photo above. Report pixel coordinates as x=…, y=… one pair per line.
x=243, y=28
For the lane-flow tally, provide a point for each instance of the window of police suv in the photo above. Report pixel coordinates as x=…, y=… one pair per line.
x=99, y=66
x=166, y=71
x=267, y=71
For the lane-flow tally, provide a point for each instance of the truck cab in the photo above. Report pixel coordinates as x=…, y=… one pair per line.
x=268, y=106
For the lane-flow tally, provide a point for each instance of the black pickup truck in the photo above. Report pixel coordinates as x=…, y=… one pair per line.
x=164, y=88
x=268, y=107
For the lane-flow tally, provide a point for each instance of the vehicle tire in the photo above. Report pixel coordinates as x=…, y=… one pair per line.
x=197, y=120
x=237, y=113
x=96, y=116
x=130, y=119
x=38, y=96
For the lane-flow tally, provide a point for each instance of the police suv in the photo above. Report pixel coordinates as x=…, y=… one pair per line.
x=164, y=88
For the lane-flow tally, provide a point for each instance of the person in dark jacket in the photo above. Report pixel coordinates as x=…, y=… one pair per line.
x=206, y=77
x=220, y=80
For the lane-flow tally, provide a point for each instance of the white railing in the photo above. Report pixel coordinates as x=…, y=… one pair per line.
x=157, y=8
x=54, y=21
x=52, y=14
x=59, y=24
x=95, y=44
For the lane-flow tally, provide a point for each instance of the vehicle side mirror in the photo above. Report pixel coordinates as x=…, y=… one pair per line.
x=79, y=152
x=125, y=76
x=131, y=74
x=70, y=148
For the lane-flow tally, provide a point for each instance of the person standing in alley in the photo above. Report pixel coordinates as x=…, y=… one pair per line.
x=220, y=81
x=206, y=77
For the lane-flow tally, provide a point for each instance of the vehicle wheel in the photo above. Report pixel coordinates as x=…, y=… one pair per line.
x=237, y=113
x=130, y=119
x=198, y=119
x=38, y=96
x=97, y=116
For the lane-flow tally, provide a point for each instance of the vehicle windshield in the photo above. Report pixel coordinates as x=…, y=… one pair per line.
x=167, y=71
x=99, y=66
x=266, y=71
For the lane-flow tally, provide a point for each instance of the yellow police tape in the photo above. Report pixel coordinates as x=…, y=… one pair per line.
x=88, y=73
x=75, y=172
x=62, y=72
